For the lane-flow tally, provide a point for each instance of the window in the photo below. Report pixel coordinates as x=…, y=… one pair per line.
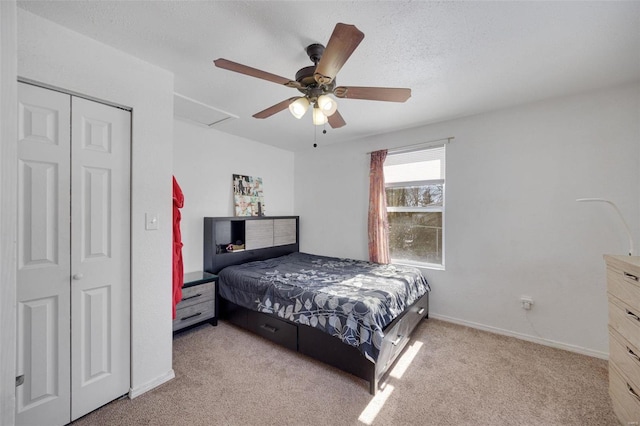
x=415, y=206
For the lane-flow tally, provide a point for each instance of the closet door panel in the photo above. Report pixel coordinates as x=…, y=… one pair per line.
x=43, y=257
x=100, y=255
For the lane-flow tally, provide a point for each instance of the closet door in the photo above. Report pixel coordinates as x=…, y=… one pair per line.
x=100, y=254
x=74, y=256
x=43, y=257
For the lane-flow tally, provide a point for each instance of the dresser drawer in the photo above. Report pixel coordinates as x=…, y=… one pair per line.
x=624, y=284
x=197, y=294
x=186, y=316
x=625, y=397
x=625, y=357
x=625, y=320
x=274, y=329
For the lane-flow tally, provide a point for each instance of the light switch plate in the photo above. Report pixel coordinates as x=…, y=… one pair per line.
x=152, y=222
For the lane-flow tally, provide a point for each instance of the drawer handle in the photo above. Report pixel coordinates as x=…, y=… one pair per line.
x=632, y=315
x=630, y=276
x=398, y=340
x=632, y=392
x=190, y=316
x=269, y=328
x=421, y=311
x=192, y=297
x=632, y=354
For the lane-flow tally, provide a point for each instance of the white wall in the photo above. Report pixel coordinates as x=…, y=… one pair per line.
x=204, y=160
x=512, y=224
x=56, y=56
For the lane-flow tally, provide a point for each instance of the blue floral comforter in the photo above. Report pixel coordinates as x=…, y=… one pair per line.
x=350, y=299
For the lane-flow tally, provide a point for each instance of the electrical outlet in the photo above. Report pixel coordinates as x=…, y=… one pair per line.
x=526, y=302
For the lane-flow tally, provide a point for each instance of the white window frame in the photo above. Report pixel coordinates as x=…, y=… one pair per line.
x=427, y=209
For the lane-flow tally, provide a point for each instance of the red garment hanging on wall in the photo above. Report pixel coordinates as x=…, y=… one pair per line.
x=178, y=269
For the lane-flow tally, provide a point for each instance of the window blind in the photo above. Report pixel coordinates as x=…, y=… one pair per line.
x=422, y=165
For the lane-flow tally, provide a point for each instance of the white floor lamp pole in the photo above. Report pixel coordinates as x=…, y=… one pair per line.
x=624, y=222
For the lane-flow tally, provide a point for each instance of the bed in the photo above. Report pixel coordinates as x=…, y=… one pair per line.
x=354, y=315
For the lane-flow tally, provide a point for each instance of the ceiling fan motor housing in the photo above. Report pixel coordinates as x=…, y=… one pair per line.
x=305, y=76
x=315, y=52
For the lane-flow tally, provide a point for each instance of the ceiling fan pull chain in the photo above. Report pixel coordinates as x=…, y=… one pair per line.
x=315, y=136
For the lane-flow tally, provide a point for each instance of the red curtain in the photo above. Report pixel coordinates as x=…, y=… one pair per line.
x=178, y=268
x=378, y=223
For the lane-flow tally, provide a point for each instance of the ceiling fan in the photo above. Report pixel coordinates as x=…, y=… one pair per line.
x=318, y=82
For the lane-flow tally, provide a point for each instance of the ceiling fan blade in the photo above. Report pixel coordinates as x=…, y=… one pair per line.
x=254, y=72
x=389, y=94
x=343, y=42
x=336, y=121
x=275, y=108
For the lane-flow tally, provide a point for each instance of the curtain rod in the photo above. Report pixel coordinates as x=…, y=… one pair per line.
x=417, y=146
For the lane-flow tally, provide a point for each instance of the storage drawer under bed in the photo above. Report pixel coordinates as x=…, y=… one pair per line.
x=277, y=330
x=398, y=333
x=416, y=313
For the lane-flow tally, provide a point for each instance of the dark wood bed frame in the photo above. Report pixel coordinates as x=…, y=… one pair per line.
x=298, y=337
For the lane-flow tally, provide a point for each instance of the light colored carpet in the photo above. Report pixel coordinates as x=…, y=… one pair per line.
x=449, y=375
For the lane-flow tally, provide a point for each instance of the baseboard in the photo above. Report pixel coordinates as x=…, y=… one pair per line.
x=139, y=390
x=534, y=339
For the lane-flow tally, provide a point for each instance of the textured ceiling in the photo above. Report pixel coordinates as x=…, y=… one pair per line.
x=459, y=58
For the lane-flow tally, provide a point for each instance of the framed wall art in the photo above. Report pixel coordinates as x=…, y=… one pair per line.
x=248, y=198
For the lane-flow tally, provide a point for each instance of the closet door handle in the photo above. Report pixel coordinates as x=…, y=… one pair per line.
x=78, y=276
x=630, y=276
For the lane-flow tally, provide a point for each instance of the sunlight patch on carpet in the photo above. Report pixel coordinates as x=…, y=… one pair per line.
x=372, y=409
x=405, y=360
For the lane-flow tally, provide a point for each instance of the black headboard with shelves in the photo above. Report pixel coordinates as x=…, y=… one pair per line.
x=263, y=237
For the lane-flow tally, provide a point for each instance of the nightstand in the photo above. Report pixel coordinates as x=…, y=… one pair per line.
x=199, y=301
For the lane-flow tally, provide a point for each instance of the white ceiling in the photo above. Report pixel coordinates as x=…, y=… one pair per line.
x=459, y=58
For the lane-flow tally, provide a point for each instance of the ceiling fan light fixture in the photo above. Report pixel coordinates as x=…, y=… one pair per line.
x=327, y=105
x=318, y=82
x=299, y=107
x=318, y=116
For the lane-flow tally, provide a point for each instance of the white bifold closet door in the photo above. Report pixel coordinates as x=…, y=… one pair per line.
x=73, y=255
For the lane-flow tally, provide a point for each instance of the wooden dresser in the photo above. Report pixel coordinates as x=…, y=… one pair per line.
x=623, y=288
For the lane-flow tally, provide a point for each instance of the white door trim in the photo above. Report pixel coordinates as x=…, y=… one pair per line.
x=8, y=209
x=71, y=93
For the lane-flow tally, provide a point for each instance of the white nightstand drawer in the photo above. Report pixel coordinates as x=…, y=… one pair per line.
x=625, y=320
x=625, y=357
x=193, y=314
x=197, y=294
